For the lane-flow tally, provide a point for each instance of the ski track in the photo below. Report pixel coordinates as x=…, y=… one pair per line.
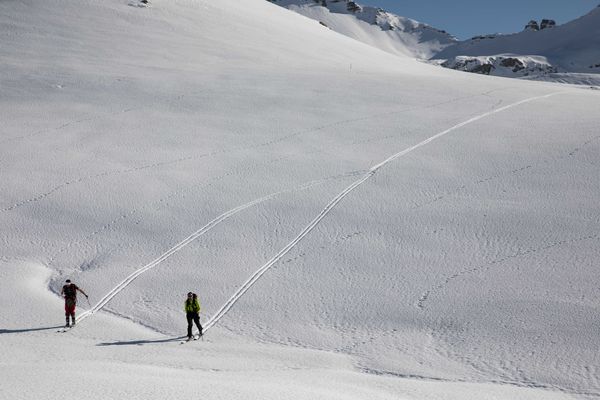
x=483, y=267
x=67, y=124
x=379, y=115
x=111, y=294
x=156, y=205
x=514, y=171
x=331, y=205
x=90, y=177
x=372, y=139
x=507, y=372
x=73, y=182
x=425, y=296
x=525, y=385
x=123, y=217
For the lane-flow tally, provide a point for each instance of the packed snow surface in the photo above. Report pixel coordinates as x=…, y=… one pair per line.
x=357, y=225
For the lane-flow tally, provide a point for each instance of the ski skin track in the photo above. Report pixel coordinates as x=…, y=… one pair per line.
x=372, y=171
x=117, y=289
x=328, y=208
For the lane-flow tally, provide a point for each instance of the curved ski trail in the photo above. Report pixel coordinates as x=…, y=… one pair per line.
x=254, y=277
x=372, y=171
x=111, y=294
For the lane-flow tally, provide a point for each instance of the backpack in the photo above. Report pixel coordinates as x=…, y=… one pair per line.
x=70, y=291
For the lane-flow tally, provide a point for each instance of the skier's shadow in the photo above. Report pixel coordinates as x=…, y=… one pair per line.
x=142, y=342
x=4, y=331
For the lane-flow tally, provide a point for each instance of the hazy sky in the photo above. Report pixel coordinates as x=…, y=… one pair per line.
x=467, y=18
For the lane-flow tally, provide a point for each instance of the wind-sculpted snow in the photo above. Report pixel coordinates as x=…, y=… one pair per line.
x=357, y=225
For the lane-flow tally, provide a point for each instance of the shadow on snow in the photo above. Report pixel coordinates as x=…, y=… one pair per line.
x=4, y=331
x=142, y=342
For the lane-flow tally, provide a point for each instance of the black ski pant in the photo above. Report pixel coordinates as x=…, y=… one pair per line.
x=193, y=316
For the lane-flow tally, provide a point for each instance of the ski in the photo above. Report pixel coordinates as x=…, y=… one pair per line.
x=65, y=329
x=195, y=337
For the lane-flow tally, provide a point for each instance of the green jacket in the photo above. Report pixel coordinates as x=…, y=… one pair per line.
x=192, y=306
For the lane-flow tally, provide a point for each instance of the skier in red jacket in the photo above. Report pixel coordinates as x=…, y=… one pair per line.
x=69, y=292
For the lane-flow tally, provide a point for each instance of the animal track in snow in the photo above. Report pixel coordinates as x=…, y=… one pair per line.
x=421, y=303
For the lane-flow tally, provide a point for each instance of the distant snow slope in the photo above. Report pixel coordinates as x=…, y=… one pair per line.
x=357, y=225
x=374, y=26
x=572, y=47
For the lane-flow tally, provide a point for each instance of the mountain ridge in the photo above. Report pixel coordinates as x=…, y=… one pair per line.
x=570, y=47
x=375, y=26
x=543, y=51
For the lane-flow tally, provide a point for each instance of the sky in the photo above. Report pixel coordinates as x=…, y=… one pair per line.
x=467, y=18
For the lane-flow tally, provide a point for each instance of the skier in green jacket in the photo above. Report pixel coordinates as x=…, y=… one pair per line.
x=192, y=310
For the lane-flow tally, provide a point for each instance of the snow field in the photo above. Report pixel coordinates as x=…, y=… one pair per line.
x=463, y=269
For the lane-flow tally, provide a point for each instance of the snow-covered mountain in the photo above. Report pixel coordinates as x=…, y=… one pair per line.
x=374, y=26
x=572, y=47
x=568, y=53
x=358, y=225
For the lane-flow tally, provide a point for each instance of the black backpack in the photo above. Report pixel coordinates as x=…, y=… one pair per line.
x=70, y=291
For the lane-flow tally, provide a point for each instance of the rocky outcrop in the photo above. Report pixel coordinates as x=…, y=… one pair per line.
x=532, y=26
x=547, y=23
x=139, y=3
x=485, y=37
x=507, y=66
x=353, y=7
x=570, y=48
x=514, y=63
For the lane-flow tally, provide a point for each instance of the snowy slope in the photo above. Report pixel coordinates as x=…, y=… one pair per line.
x=572, y=47
x=374, y=26
x=357, y=224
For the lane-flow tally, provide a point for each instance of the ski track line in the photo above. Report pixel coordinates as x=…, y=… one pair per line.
x=311, y=130
x=69, y=123
x=211, y=154
x=529, y=384
x=111, y=294
x=90, y=177
x=503, y=174
x=483, y=267
x=229, y=304
x=156, y=205
x=378, y=115
x=372, y=171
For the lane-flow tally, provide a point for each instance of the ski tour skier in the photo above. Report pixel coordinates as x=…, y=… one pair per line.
x=69, y=292
x=192, y=313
